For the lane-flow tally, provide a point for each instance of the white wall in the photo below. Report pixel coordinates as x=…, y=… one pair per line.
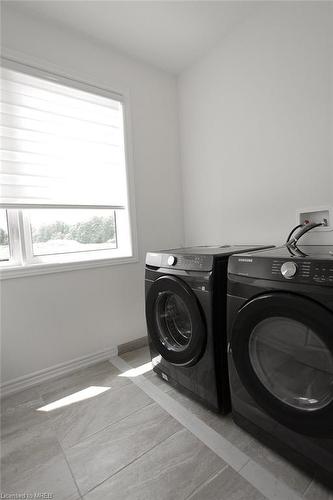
x=54, y=318
x=255, y=134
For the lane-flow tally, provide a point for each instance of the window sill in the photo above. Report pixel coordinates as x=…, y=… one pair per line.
x=37, y=269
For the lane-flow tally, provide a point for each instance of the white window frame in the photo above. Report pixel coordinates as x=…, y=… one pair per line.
x=22, y=262
x=15, y=250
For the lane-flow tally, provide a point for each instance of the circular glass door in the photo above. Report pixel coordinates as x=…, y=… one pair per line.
x=174, y=321
x=282, y=349
x=292, y=362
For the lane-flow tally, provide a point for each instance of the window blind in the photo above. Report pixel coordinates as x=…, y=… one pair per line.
x=60, y=145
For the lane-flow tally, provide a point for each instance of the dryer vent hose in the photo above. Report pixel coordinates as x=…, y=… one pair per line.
x=303, y=228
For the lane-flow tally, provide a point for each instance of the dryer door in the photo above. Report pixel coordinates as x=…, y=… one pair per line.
x=282, y=347
x=175, y=322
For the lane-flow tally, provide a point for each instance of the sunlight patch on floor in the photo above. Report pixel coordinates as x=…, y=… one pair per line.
x=140, y=370
x=87, y=393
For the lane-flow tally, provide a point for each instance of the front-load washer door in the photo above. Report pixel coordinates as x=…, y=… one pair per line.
x=282, y=348
x=175, y=321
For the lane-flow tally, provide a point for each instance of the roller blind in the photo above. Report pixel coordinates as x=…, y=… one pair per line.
x=60, y=145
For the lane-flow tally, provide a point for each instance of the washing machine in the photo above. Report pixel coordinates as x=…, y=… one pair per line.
x=280, y=351
x=186, y=319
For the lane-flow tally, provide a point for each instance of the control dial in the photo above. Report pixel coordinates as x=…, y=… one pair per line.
x=288, y=269
x=172, y=260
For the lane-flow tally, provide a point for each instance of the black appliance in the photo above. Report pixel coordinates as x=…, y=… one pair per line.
x=186, y=292
x=280, y=351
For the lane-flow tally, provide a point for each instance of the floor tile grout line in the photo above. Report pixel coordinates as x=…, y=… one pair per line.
x=245, y=465
x=109, y=425
x=134, y=460
x=70, y=469
x=207, y=481
x=308, y=487
x=262, y=479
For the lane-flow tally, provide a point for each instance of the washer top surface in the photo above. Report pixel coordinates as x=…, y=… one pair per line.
x=313, y=252
x=215, y=250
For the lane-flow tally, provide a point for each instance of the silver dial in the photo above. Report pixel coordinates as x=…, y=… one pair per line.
x=172, y=260
x=288, y=269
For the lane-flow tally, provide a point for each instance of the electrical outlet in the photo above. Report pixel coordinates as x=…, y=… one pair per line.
x=319, y=214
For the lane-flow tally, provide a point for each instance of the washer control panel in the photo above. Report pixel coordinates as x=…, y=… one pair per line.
x=316, y=271
x=311, y=265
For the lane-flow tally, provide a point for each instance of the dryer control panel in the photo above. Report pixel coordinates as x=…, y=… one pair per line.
x=180, y=261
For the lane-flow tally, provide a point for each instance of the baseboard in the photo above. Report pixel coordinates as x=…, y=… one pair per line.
x=35, y=378
x=133, y=345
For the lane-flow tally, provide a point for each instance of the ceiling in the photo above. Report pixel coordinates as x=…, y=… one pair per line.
x=170, y=35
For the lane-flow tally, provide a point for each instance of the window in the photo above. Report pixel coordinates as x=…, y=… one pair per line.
x=68, y=231
x=4, y=240
x=64, y=186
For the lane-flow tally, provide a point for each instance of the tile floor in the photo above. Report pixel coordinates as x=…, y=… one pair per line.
x=120, y=444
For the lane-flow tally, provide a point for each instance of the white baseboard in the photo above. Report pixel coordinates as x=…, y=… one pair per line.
x=35, y=378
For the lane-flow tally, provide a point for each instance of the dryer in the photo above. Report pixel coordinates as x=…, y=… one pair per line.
x=280, y=351
x=186, y=319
